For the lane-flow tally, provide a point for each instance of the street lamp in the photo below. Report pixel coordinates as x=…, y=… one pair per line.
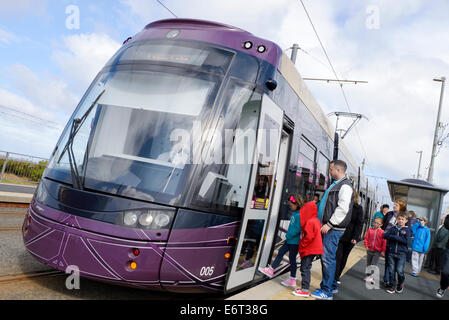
x=435, y=136
x=419, y=164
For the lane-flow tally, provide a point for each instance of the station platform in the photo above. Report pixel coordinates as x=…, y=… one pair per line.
x=15, y=195
x=352, y=285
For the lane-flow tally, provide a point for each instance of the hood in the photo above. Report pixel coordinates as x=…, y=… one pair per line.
x=307, y=212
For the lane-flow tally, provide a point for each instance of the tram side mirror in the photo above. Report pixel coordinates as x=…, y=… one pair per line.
x=271, y=84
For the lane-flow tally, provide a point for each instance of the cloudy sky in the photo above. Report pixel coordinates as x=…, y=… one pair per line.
x=48, y=57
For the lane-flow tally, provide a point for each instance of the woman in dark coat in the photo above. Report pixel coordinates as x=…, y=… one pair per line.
x=349, y=238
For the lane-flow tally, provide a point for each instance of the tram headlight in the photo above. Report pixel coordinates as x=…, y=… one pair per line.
x=162, y=220
x=148, y=218
x=130, y=218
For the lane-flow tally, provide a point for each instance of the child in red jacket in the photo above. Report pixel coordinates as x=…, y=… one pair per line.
x=375, y=245
x=310, y=244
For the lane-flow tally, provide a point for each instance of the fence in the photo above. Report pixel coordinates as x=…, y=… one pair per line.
x=21, y=168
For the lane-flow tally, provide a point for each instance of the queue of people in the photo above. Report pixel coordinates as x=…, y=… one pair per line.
x=329, y=228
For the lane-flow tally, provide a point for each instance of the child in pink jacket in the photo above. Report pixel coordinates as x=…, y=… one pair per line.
x=375, y=245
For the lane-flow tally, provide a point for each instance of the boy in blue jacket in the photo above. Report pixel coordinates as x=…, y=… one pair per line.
x=398, y=237
x=420, y=244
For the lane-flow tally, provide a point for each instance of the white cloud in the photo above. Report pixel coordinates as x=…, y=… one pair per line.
x=7, y=37
x=21, y=8
x=45, y=91
x=83, y=56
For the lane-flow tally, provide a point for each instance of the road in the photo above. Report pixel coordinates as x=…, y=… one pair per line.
x=22, y=277
x=18, y=188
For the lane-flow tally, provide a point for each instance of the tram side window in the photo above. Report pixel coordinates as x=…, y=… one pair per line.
x=305, y=169
x=224, y=179
x=322, y=172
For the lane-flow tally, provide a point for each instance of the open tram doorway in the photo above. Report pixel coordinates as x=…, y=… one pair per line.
x=260, y=217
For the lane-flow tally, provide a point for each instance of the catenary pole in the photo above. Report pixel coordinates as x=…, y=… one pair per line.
x=435, y=136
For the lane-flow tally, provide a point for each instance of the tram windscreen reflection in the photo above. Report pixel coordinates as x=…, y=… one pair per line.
x=251, y=243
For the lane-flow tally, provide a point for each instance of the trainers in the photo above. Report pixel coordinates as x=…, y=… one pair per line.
x=390, y=289
x=414, y=274
x=321, y=295
x=291, y=282
x=440, y=293
x=400, y=288
x=338, y=282
x=268, y=271
x=301, y=293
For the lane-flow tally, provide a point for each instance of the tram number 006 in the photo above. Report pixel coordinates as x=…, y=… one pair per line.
x=207, y=271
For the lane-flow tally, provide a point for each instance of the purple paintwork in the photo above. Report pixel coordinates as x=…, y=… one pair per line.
x=102, y=251
x=213, y=32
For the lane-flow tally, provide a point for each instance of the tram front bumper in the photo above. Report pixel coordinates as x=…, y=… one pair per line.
x=97, y=256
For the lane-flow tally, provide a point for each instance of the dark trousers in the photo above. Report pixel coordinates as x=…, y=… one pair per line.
x=306, y=266
x=343, y=250
x=292, y=253
x=444, y=281
x=372, y=259
x=436, y=258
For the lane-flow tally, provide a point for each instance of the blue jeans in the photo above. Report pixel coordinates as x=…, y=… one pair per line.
x=396, y=264
x=386, y=273
x=292, y=252
x=328, y=259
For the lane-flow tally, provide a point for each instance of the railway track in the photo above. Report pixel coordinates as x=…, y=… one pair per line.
x=10, y=228
x=28, y=275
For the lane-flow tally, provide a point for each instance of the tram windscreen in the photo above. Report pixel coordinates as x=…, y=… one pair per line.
x=137, y=140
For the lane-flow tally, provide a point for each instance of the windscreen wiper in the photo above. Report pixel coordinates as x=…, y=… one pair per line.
x=75, y=127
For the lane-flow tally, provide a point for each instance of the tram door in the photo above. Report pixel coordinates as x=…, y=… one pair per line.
x=260, y=197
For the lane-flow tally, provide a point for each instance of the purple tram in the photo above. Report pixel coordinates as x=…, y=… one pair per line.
x=174, y=171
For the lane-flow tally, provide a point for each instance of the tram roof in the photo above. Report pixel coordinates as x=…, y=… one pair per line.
x=213, y=32
x=419, y=184
x=294, y=79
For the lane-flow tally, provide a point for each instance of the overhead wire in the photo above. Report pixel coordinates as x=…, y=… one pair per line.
x=167, y=8
x=29, y=117
x=335, y=74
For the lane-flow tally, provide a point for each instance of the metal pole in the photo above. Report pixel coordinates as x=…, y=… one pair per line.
x=435, y=136
x=336, y=141
x=419, y=164
x=4, y=166
x=294, y=52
